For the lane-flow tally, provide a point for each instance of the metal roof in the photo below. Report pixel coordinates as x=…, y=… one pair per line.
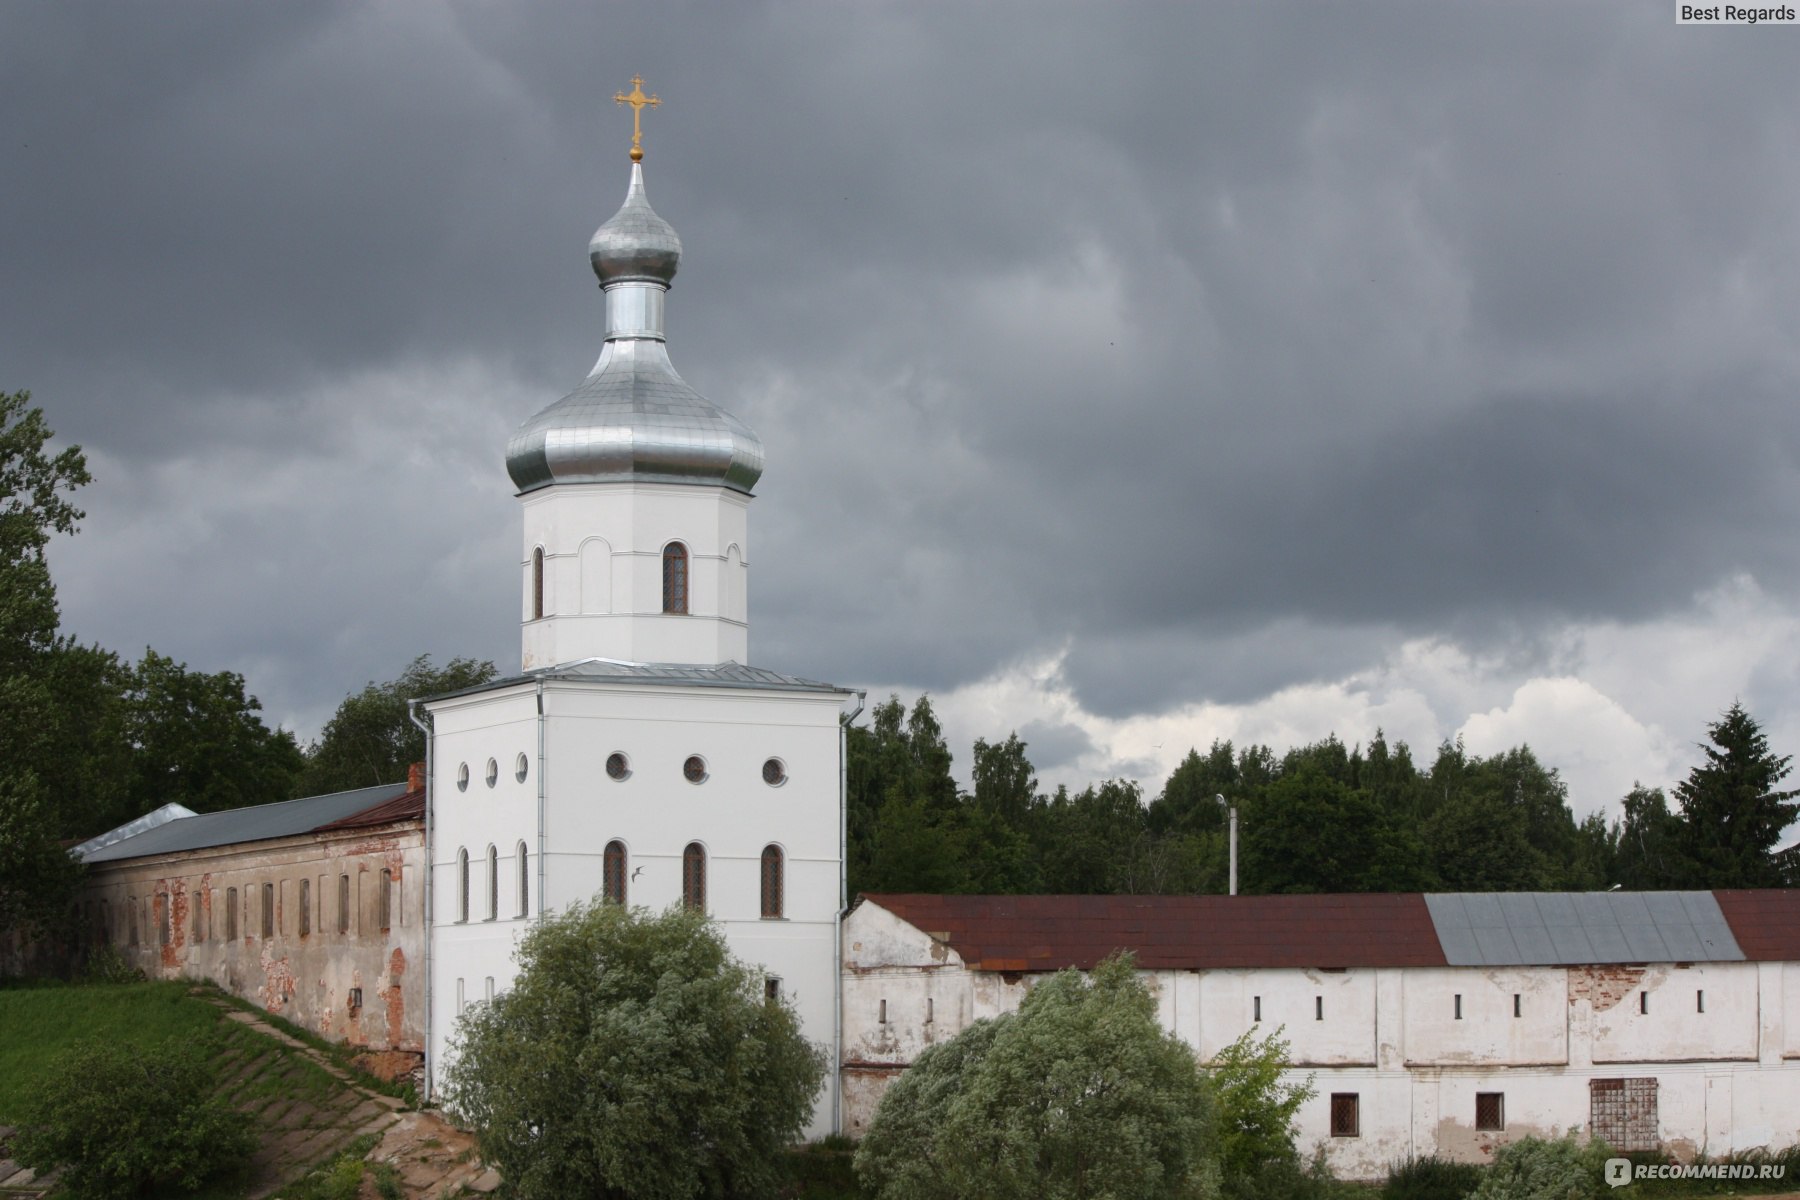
x=1047, y=933
x=1506, y=929
x=150, y=820
x=717, y=675
x=247, y=824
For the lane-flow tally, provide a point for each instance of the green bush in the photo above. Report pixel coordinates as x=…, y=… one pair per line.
x=1546, y=1169
x=125, y=1121
x=1430, y=1178
x=1256, y=1108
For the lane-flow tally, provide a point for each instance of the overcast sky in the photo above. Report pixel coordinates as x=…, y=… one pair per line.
x=1130, y=375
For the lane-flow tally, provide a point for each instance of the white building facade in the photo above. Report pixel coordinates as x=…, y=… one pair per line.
x=637, y=756
x=1412, y=1048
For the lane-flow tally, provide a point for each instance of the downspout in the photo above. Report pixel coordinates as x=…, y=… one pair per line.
x=412, y=714
x=538, y=916
x=837, y=1008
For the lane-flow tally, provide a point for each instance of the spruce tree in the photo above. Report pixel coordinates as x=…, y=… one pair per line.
x=1732, y=816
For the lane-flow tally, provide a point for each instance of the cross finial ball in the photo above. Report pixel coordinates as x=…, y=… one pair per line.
x=638, y=101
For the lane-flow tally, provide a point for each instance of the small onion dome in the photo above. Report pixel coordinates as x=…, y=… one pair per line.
x=634, y=419
x=635, y=244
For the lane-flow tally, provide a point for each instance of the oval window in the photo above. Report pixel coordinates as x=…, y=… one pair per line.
x=493, y=774
x=521, y=768
x=462, y=778
x=774, y=772
x=617, y=765
x=694, y=769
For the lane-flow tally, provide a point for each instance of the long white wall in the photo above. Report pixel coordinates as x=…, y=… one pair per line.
x=1414, y=1046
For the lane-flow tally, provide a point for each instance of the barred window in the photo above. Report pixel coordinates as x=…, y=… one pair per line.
x=772, y=883
x=694, y=769
x=612, y=873
x=617, y=766
x=774, y=772
x=693, y=876
x=524, y=881
x=1346, y=1121
x=1623, y=1113
x=675, y=578
x=1490, y=1111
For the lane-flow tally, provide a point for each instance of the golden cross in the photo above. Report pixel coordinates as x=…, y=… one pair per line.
x=637, y=100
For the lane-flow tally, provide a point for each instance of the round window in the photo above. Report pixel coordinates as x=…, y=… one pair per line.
x=694, y=769
x=774, y=773
x=521, y=768
x=462, y=778
x=493, y=775
x=617, y=766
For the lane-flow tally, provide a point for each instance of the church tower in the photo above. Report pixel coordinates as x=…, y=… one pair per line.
x=635, y=487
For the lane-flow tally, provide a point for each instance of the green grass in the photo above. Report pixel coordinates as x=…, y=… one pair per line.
x=38, y=1023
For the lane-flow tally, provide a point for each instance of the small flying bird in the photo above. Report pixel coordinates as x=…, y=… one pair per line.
x=637, y=872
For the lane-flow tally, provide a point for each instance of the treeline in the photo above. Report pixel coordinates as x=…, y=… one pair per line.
x=1317, y=818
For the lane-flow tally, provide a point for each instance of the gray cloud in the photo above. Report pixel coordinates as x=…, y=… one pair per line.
x=1228, y=347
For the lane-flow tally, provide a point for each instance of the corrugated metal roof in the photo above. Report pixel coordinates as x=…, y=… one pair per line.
x=150, y=820
x=719, y=675
x=1511, y=929
x=247, y=824
x=1047, y=933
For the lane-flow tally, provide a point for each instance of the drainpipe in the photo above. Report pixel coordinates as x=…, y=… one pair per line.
x=837, y=1008
x=1221, y=800
x=412, y=714
x=538, y=917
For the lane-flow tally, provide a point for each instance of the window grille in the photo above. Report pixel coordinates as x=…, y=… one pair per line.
x=693, y=877
x=1346, y=1120
x=617, y=766
x=774, y=773
x=612, y=873
x=1622, y=1113
x=1490, y=1111
x=772, y=883
x=694, y=769
x=675, y=578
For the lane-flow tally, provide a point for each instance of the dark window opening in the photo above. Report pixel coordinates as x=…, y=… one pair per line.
x=524, y=857
x=493, y=880
x=1318, y=1008
x=1490, y=1111
x=343, y=904
x=268, y=910
x=1346, y=1121
x=771, y=988
x=462, y=868
x=694, y=769
x=305, y=907
x=1459, y=1006
x=537, y=583
x=675, y=578
x=616, y=766
x=1518, y=1010
x=1256, y=1008
x=693, y=877
x=771, y=883
x=612, y=873
x=387, y=899
x=774, y=774
x=1699, y=1001
x=1644, y=1003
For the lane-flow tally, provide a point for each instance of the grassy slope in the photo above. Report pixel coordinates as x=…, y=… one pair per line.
x=300, y=1110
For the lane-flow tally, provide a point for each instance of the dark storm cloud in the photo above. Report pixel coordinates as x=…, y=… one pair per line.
x=1226, y=346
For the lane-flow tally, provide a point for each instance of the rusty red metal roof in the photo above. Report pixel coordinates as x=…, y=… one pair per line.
x=1047, y=933
x=1766, y=923
x=409, y=806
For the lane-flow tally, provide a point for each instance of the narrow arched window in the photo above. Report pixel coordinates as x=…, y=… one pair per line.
x=493, y=881
x=537, y=583
x=693, y=876
x=524, y=881
x=462, y=870
x=772, y=883
x=612, y=873
x=675, y=578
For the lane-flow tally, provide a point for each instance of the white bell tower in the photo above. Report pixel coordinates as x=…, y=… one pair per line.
x=636, y=488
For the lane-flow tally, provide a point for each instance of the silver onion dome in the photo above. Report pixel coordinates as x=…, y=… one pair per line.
x=634, y=418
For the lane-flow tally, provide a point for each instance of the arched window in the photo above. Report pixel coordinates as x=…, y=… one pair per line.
x=693, y=876
x=612, y=873
x=675, y=578
x=493, y=883
x=524, y=881
x=772, y=883
x=537, y=583
x=462, y=870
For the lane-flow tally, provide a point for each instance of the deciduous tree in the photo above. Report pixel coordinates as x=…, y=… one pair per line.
x=370, y=740
x=633, y=1057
